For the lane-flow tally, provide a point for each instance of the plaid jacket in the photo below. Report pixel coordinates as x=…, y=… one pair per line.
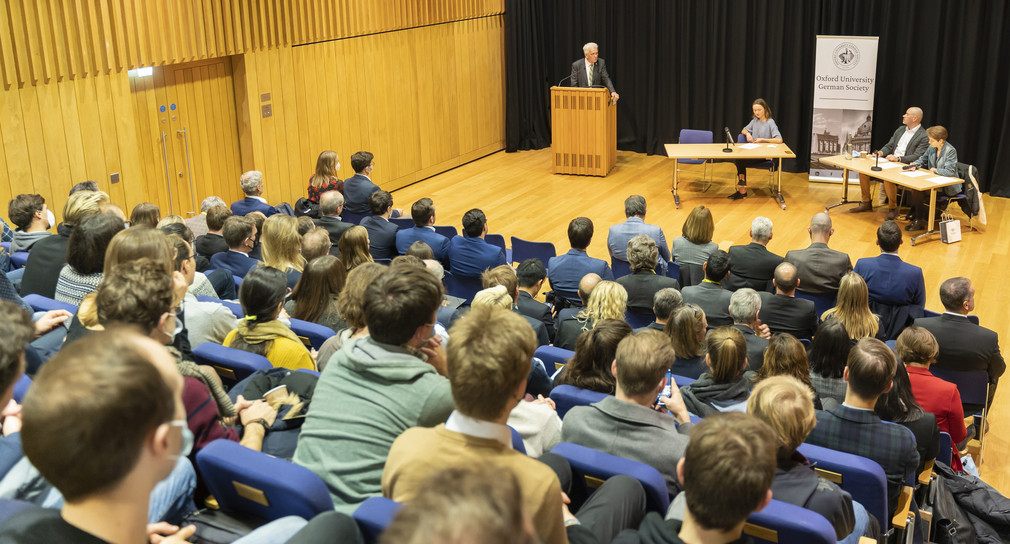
x=861, y=432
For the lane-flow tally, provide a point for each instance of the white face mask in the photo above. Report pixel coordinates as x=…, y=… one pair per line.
x=51, y=218
x=186, y=447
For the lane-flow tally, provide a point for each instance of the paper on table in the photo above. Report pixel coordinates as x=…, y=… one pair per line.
x=941, y=179
x=771, y=145
x=886, y=165
x=749, y=146
x=916, y=173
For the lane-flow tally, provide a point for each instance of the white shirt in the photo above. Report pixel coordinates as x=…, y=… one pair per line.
x=467, y=425
x=899, y=150
x=261, y=199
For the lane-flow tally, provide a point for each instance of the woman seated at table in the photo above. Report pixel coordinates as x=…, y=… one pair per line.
x=761, y=130
x=940, y=159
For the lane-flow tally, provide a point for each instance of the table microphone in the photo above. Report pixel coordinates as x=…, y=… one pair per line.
x=564, y=78
x=729, y=140
x=875, y=166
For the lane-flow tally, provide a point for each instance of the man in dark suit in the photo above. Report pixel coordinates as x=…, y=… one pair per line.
x=240, y=233
x=359, y=187
x=213, y=242
x=565, y=271
x=744, y=306
x=330, y=205
x=643, y=282
x=709, y=294
x=252, y=186
x=592, y=71
x=890, y=280
x=852, y=427
x=381, y=233
x=423, y=214
x=963, y=344
x=505, y=276
x=531, y=275
x=470, y=254
x=664, y=302
x=753, y=265
x=820, y=268
x=586, y=286
x=907, y=144
x=782, y=311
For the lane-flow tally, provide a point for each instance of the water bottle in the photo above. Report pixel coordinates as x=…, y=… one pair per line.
x=848, y=146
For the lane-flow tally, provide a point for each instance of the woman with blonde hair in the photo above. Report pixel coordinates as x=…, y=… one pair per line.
x=608, y=300
x=686, y=329
x=282, y=246
x=325, y=179
x=852, y=308
x=353, y=246
x=786, y=356
x=493, y=297
x=725, y=386
x=695, y=244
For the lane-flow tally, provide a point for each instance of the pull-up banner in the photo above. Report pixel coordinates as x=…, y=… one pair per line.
x=845, y=72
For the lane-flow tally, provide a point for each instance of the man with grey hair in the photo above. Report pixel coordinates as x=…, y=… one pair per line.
x=744, y=306
x=592, y=71
x=783, y=311
x=252, y=186
x=820, y=268
x=621, y=233
x=753, y=265
x=331, y=203
x=906, y=145
x=198, y=223
x=664, y=302
x=643, y=282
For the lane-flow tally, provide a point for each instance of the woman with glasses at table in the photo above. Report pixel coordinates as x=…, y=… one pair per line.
x=761, y=130
x=940, y=159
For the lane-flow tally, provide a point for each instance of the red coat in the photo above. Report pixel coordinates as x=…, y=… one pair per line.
x=941, y=399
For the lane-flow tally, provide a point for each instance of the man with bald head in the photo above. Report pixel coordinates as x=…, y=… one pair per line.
x=782, y=311
x=819, y=267
x=907, y=144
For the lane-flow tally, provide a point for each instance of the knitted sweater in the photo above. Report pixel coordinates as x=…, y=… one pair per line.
x=72, y=286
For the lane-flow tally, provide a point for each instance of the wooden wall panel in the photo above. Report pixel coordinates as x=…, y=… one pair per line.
x=379, y=93
x=45, y=39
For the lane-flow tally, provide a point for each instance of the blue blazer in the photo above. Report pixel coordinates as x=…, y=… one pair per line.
x=472, y=256
x=249, y=204
x=566, y=271
x=621, y=233
x=892, y=281
x=238, y=263
x=439, y=244
x=357, y=189
x=381, y=237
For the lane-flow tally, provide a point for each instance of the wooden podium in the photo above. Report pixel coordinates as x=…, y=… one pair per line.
x=583, y=131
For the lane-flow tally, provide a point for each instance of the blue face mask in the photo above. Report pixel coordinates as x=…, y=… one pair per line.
x=187, y=437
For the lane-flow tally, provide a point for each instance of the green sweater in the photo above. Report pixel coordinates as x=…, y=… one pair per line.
x=366, y=397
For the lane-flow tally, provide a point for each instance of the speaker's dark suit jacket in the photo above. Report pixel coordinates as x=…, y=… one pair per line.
x=796, y=316
x=819, y=267
x=334, y=226
x=381, y=237
x=965, y=345
x=642, y=286
x=238, y=263
x=250, y=204
x=751, y=266
x=600, y=75
x=713, y=300
x=45, y=260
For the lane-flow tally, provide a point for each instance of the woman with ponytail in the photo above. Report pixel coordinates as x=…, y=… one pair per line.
x=725, y=386
x=262, y=295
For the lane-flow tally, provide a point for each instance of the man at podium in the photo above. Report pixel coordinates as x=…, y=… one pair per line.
x=592, y=71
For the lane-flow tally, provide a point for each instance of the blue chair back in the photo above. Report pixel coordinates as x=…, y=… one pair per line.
x=587, y=462
x=461, y=286
x=523, y=249
x=973, y=385
x=690, y=136
x=374, y=515
x=822, y=302
x=499, y=240
x=620, y=268
x=553, y=357
x=245, y=481
x=945, y=452
x=237, y=280
x=517, y=441
x=673, y=270
x=355, y=218
x=311, y=334
x=18, y=259
x=637, y=320
x=446, y=230
x=232, y=365
x=403, y=222
x=566, y=397
x=21, y=387
x=40, y=303
x=6, y=246
x=862, y=478
x=235, y=307
x=386, y=262
x=784, y=522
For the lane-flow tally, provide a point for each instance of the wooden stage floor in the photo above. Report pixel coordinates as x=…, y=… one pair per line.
x=521, y=197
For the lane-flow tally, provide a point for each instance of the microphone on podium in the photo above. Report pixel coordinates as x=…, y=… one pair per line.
x=569, y=78
x=729, y=140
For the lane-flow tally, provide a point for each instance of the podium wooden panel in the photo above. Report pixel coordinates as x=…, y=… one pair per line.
x=583, y=131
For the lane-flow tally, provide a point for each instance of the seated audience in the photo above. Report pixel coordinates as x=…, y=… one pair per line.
x=240, y=234
x=783, y=311
x=505, y=275
x=252, y=185
x=725, y=386
x=353, y=246
x=590, y=367
x=785, y=356
x=899, y=406
x=258, y=219
x=890, y=280
x=531, y=275
x=423, y=214
x=305, y=224
x=753, y=265
x=377, y=387
x=853, y=427
x=709, y=295
x=86, y=257
x=565, y=271
x=422, y=251
x=198, y=223
x=827, y=355
x=359, y=187
x=217, y=283
x=213, y=241
x=917, y=348
x=33, y=219
x=745, y=305
x=664, y=302
x=331, y=203
x=644, y=281
x=316, y=243
x=686, y=329
x=381, y=233
x=487, y=363
x=626, y=424
x=204, y=321
x=145, y=214
x=695, y=244
x=852, y=309
x=350, y=304
x=622, y=233
x=607, y=301
x=570, y=308
x=325, y=179
x=470, y=254
x=819, y=268
x=282, y=247
x=314, y=298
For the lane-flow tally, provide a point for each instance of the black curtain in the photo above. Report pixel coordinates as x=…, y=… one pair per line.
x=700, y=63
